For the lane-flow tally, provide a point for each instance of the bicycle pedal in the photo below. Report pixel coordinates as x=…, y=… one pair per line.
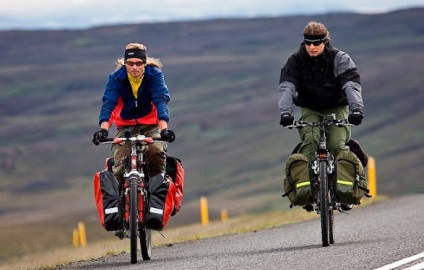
x=344, y=212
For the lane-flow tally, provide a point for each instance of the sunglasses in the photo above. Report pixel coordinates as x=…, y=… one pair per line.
x=315, y=42
x=138, y=64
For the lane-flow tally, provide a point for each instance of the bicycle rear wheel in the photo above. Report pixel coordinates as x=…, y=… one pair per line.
x=324, y=203
x=133, y=219
x=145, y=242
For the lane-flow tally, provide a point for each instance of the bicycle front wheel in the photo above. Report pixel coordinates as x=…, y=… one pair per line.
x=145, y=233
x=324, y=203
x=133, y=219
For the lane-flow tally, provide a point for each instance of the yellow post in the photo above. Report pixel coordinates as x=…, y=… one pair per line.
x=75, y=238
x=204, y=216
x=372, y=178
x=224, y=215
x=83, y=237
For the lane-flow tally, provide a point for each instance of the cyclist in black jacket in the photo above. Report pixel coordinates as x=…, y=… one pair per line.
x=322, y=81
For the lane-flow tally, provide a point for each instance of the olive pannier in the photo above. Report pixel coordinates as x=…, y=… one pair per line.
x=297, y=183
x=350, y=177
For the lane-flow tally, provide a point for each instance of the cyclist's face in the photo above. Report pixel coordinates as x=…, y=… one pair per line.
x=134, y=66
x=314, y=51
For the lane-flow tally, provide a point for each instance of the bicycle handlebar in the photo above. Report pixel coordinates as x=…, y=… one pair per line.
x=323, y=123
x=139, y=138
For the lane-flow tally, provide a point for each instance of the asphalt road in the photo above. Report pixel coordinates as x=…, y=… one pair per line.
x=368, y=238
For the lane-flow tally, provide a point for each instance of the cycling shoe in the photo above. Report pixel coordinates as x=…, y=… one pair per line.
x=346, y=207
x=120, y=233
x=308, y=207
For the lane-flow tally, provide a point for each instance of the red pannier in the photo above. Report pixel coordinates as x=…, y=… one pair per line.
x=106, y=194
x=175, y=170
x=161, y=202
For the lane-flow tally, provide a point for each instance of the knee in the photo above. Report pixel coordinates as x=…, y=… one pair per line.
x=155, y=149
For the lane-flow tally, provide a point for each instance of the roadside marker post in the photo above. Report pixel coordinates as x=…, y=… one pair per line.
x=204, y=216
x=224, y=215
x=82, y=234
x=372, y=178
x=75, y=238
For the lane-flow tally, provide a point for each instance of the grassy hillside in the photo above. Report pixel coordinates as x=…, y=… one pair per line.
x=223, y=77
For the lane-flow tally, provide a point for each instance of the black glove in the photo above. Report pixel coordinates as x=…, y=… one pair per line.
x=286, y=119
x=99, y=136
x=355, y=118
x=167, y=135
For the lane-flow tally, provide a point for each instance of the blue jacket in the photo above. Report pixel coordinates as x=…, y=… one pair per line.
x=120, y=105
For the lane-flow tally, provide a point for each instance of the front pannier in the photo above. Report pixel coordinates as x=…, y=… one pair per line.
x=106, y=194
x=350, y=177
x=161, y=202
x=297, y=183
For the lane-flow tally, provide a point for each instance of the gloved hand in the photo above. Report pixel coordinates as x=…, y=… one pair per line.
x=167, y=135
x=99, y=136
x=355, y=118
x=286, y=119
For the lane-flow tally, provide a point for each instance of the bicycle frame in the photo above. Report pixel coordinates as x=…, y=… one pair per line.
x=135, y=170
x=133, y=194
x=323, y=155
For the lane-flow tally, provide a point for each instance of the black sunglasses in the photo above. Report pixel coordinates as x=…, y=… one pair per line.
x=316, y=42
x=138, y=64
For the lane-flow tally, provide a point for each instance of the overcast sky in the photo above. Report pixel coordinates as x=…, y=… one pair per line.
x=75, y=14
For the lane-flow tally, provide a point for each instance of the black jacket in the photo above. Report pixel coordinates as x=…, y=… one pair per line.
x=321, y=82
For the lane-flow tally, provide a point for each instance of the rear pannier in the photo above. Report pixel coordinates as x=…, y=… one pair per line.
x=175, y=170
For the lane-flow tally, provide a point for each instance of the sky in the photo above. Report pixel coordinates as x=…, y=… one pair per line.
x=80, y=14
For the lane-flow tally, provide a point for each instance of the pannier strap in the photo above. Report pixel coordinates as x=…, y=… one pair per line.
x=367, y=191
x=285, y=194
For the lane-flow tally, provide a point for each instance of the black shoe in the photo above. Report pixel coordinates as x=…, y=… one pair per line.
x=346, y=207
x=120, y=233
x=308, y=207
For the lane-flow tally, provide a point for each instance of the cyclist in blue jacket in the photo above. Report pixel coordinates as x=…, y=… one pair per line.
x=136, y=98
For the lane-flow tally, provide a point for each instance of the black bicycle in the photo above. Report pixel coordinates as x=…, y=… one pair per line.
x=323, y=182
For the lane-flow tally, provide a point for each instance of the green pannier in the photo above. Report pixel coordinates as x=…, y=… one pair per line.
x=297, y=183
x=351, y=181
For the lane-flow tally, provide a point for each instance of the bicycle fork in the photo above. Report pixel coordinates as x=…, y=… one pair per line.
x=315, y=167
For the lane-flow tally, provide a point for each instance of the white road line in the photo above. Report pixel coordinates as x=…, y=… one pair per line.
x=402, y=262
x=419, y=266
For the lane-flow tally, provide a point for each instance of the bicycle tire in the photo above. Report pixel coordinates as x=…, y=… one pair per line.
x=145, y=242
x=145, y=234
x=324, y=203
x=331, y=226
x=331, y=188
x=133, y=219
